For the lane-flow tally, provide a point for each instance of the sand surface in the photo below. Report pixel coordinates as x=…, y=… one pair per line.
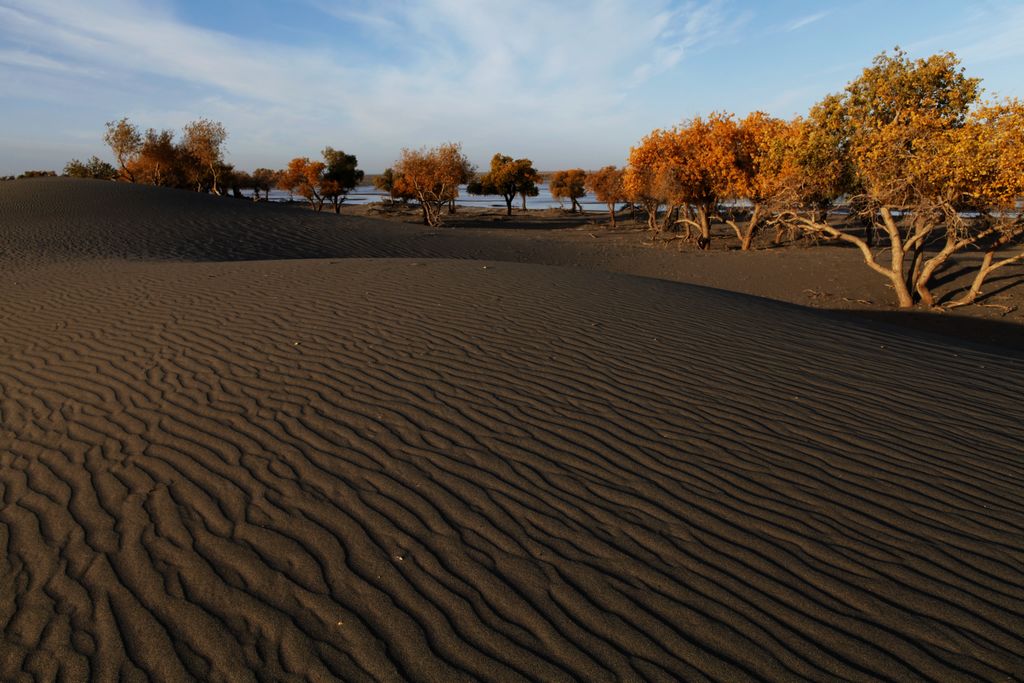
x=247, y=443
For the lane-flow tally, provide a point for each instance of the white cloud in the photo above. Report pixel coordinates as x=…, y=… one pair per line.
x=497, y=71
x=800, y=23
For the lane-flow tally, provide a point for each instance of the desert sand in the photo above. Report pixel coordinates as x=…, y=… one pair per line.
x=246, y=442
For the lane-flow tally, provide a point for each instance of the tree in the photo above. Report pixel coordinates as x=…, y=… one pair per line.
x=762, y=144
x=389, y=182
x=125, y=142
x=569, y=185
x=304, y=178
x=432, y=176
x=203, y=141
x=529, y=188
x=642, y=179
x=385, y=182
x=341, y=175
x=263, y=179
x=689, y=167
x=894, y=126
x=93, y=168
x=508, y=177
x=979, y=167
x=704, y=169
x=607, y=187
x=160, y=161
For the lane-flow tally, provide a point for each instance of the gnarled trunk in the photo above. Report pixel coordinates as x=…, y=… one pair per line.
x=704, y=223
x=895, y=274
x=746, y=235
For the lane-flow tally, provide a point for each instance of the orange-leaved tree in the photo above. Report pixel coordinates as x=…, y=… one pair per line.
x=304, y=178
x=895, y=128
x=642, y=179
x=160, y=160
x=703, y=168
x=979, y=167
x=507, y=177
x=571, y=185
x=762, y=148
x=690, y=167
x=607, y=186
x=432, y=176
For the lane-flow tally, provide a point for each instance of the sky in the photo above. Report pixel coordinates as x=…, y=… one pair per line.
x=566, y=83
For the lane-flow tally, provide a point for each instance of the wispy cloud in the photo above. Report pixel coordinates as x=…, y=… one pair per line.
x=437, y=69
x=801, y=22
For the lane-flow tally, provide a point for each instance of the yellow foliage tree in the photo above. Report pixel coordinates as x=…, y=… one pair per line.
x=690, y=167
x=432, y=176
x=304, y=178
x=203, y=142
x=607, y=186
x=569, y=185
x=762, y=147
x=892, y=128
x=641, y=180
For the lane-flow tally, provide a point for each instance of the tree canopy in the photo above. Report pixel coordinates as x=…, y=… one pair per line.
x=93, y=168
x=305, y=178
x=607, y=186
x=911, y=144
x=203, y=142
x=571, y=185
x=508, y=177
x=432, y=176
x=341, y=176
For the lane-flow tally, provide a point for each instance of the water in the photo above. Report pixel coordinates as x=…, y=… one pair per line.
x=368, y=194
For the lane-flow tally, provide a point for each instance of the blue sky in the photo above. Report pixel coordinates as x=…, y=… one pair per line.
x=566, y=83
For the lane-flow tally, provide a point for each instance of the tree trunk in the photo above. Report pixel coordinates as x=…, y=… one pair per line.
x=986, y=267
x=921, y=279
x=751, y=229
x=522, y=195
x=914, y=271
x=611, y=213
x=704, y=239
x=652, y=215
x=896, y=273
x=670, y=215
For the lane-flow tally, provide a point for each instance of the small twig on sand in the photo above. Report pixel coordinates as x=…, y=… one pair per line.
x=859, y=301
x=1004, y=310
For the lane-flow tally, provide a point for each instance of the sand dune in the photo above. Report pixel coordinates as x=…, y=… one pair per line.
x=221, y=462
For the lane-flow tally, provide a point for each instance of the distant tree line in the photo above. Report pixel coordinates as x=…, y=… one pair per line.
x=916, y=165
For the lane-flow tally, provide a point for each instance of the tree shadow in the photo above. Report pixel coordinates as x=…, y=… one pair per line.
x=998, y=334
